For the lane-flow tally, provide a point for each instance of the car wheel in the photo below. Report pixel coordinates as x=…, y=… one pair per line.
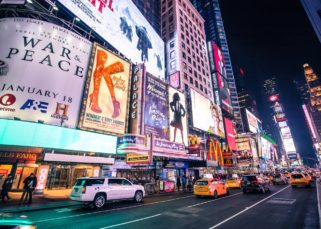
x=227, y=191
x=262, y=189
x=293, y=186
x=244, y=191
x=215, y=195
x=100, y=200
x=198, y=196
x=138, y=197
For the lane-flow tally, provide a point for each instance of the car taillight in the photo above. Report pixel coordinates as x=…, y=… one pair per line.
x=83, y=190
x=254, y=182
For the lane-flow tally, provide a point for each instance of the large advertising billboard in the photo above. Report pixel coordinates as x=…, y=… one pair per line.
x=230, y=133
x=177, y=116
x=106, y=93
x=285, y=132
x=252, y=122
x=220, y=82
x=42, y=71
x=288, y=145
x=207, y=116
x=122, y=25
x=155, y=107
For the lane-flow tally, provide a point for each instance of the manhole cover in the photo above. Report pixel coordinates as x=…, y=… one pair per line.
x=281, y=201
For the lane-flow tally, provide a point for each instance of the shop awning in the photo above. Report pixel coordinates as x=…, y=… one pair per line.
x=29, y=134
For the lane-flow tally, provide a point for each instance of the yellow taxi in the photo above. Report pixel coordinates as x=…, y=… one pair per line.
x=233, y=183
x=210, y=187
x=307, y=175
x=299, y=179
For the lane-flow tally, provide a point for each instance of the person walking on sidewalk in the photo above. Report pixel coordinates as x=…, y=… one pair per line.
x=184, y=183
x=29, y=186
x=178, y=183
x=6, y=188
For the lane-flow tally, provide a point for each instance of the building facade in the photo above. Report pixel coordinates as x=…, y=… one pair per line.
x=214, y=28
x=313, y=10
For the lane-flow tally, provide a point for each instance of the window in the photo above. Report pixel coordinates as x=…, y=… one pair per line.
x=89, y=182
x=189, y=60
x=125, y=182
x=112, y=182
x=190, y=70
x=172, y=54
x=201, y=87
x=172, y=44
x=183, y=45
x=184, y=65
x=185, y=75
x=173, y=64
x=184, y=55
x=191, y=80
x=196, y=83
x=183, y=37
x=171, y=18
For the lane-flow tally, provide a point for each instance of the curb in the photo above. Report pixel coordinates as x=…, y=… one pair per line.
x=44, y=207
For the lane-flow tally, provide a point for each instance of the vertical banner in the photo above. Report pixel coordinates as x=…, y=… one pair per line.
x=106, y=96
x=177, y=117
x=135, y=108
x=42, y=71
x=156, y=107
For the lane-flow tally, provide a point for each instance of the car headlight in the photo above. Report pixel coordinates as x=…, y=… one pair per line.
x=26, y=227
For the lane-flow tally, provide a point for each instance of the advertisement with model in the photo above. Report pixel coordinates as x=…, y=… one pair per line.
x=177, y=117
x=220, y=83
x=288, y=145
x=42, y=71
x=155, y=107
x=106, y=93
x=122, y=25
x=211, y=119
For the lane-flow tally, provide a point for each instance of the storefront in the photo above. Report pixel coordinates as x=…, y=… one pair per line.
x=58, y=156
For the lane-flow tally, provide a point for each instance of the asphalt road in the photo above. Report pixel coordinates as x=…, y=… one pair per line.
x=283, y=207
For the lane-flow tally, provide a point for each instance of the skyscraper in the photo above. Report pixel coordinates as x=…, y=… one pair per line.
x=151, y=11
x=214, y=28
x=313, y=10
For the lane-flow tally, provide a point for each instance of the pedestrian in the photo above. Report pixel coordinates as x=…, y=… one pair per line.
x=6, y=188
x=184, y=183
x=178, y=183
x=29, y=186
x=190, y=184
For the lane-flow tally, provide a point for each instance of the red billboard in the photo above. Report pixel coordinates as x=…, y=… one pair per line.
x=230, y=133
x=222, y=85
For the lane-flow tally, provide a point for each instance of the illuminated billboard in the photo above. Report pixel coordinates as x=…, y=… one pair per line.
x=285, y=132
x=230, y=133
x=277, y=107
x=42, y=71
x=177, y=117
x=252, y=122
x=106, y=93
x=274, y=98
x=282, y=124
x=267, y=149
x=288, y=145
x=280, y=117
x=309, y=120
x=207, y=116
x=243, y=144
x=155, y=118
x=122, y=25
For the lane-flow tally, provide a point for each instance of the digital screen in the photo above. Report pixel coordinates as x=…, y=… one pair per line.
x=230, y=133
x=288, y=145
x=122, y=25
x=252, y=122
x=207, y=116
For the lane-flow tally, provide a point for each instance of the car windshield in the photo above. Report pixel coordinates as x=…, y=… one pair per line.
x=297, y=176
x=202, y=182
x=249, y=178
x=89, y=182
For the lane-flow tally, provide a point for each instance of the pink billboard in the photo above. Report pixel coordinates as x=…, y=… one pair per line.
x=230, y=133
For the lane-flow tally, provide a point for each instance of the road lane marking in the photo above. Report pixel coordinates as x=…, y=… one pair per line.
x=317, y=183
x=247, y=208
x=195, y=205
x=129, y=222
x=111, y=210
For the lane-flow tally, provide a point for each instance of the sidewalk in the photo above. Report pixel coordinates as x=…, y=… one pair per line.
x=52, y=199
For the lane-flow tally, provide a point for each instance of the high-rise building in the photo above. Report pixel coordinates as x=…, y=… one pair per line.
x=312, y=106
x=187, y=59
x=313, y=10
x=151, y=11
x=303, y=90
x=247, y=101
x=214, y=28
x=279, y=123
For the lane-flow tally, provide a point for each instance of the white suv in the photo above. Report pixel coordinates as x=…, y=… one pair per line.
x=100, y=190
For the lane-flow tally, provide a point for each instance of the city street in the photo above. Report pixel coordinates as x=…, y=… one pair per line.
x=283, y=207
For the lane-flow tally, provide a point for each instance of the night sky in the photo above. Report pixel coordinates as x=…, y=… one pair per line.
x=274, y=38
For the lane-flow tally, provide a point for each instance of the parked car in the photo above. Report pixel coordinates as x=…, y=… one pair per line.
x=299, y=179
x=100, y=190
x=279, y=179
x=210, y=187
x=254, y=183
